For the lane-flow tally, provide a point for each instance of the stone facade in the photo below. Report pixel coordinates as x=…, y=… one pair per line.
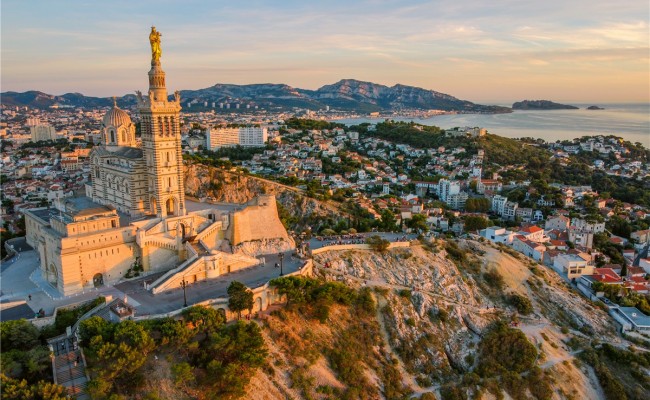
x=134, y=217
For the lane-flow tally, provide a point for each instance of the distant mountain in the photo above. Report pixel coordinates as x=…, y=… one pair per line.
x=594, y=108
x=38, y=99
x=541, y=105
x=347, y=94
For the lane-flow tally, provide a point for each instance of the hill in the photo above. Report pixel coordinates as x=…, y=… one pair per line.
x=541, y=105
x=347, y=94
x=435, y=319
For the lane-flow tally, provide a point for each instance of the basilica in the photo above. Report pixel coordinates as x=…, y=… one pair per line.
x=135, y=219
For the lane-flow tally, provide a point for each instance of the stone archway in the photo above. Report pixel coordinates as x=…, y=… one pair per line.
x=182, y=230
x=170, y=206
x=258, y=304
x=154, y=205
x=98, y=280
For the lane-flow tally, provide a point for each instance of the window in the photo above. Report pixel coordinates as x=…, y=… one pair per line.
x=112, y=136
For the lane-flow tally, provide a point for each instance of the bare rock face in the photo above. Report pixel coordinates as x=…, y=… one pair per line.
x=218, y=185
x=266, y=246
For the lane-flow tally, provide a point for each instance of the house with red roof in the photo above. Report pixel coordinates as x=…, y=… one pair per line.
x=528, y=248
x=533, y=233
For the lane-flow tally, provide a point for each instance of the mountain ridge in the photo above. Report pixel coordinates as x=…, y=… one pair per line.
x=346, y=94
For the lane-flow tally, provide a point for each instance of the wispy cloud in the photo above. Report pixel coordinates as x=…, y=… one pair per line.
x=465, y=46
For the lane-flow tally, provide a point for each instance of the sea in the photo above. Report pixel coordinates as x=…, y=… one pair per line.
x=629, y=121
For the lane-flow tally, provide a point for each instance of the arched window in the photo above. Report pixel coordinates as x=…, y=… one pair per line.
x=123, y=137
x=112, y=136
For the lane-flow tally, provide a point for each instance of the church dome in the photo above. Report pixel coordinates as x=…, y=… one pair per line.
x=116, y=117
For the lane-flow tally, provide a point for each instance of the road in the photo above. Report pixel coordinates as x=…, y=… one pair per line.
x=146, y=303
x=20, y=278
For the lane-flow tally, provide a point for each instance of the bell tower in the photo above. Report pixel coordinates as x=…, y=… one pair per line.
x=161, y=140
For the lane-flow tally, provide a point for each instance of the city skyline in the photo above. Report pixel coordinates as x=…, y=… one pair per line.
x=580, y=52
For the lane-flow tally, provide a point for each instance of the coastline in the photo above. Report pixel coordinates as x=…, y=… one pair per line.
x=629, y=121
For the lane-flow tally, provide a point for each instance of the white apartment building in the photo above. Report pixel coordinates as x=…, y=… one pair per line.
x=498, y=204
x=510, y=210
x=585, y=226
x=447, y=188
x=246, y=136
x=42, y=132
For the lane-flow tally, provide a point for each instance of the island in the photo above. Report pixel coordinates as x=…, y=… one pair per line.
x=541, y=105
x=594, y=108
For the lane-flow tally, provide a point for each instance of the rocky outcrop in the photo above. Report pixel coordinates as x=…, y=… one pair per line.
x=215, y=184
x=264, y=246
x=541, y=105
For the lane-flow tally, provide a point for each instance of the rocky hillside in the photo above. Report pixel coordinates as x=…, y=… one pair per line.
x=438, y=320
x=435, y=310
x=351, y=93
x=541, y=105
x=347, y=94
x=218, y=185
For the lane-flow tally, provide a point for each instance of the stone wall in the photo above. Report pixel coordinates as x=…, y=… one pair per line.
x=263, y=297
x=259, y=220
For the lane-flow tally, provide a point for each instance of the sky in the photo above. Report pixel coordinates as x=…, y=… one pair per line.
x=493, y=52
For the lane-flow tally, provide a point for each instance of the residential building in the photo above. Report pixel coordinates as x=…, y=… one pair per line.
x=641, y=236
x=246, y=136
x=491, y=185
x=42, y=132
x=528, y=248
x=559, y=222
x=572, y=265
x=510, y=210
x=497, y=234
x=588, y=226
x=498, y=204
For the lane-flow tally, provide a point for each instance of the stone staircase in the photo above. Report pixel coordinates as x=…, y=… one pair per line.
x=69, y=369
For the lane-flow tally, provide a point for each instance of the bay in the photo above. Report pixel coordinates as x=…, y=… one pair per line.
x=629, y=121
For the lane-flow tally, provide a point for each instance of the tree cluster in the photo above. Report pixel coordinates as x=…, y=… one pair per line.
x=25, y=361
x=208, y=355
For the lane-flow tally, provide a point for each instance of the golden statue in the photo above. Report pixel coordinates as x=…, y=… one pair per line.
x=154, y=39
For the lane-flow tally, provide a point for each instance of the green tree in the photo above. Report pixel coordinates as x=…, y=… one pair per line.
x=475, y=223
x=418, y=222
x=232, y=355
x=240, y=298
x=19, y=335
x=204, y=319
x=377, y=243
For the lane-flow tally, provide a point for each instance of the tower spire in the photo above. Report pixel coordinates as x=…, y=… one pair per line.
x=161, y=140
x=156, y=74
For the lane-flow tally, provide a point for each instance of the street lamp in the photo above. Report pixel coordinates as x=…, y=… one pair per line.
x=184, y=285
x=281, y=255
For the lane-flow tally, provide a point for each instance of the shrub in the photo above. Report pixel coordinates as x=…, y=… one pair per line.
x=521, y=303
x=377, y=243
x=505, y=349
x=405, y=293
x=494, y=279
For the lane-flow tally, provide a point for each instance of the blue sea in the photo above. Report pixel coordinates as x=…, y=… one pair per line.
x=629, y=121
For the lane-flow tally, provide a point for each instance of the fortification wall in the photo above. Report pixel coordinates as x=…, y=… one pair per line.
x=259, y=220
